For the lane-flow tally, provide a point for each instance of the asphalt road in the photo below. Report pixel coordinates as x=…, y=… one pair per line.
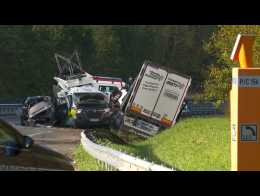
x=62, y=140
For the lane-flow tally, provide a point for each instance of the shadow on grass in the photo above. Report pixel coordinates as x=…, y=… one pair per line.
x=102, y=134
x=141, y=151
x=146, y=151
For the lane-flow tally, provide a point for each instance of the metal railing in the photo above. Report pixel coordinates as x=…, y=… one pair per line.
x=9, y=109
x=118, y=160
x=206, y=108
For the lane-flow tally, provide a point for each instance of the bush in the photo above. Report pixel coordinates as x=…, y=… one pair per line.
x=218, y=84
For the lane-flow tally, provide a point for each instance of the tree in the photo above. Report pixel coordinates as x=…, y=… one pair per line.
x=218, y=83
x=27, y=52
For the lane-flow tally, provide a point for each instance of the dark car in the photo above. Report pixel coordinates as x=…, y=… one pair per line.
x=92, y=110
x=38, y=109
x=18, y=152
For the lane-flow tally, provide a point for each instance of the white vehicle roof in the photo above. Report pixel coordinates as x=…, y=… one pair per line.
x=84, y=89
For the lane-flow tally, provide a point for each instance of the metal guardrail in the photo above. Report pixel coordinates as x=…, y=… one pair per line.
x=194, y=109
x=9, y=109
x=207, y=108
x=118, y=160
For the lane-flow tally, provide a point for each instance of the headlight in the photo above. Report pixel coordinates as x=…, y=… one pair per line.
x=106, y=110
x=79, y=111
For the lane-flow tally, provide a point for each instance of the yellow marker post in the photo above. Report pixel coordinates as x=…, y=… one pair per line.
x=243, y=50
x=245, y=107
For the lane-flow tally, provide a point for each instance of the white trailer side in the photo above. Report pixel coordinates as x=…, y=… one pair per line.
x=171, y=97
x=155, y=100
x=148, y=91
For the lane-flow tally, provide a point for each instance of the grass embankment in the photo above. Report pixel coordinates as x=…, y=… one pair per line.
x=192, y=144
x=84, y=161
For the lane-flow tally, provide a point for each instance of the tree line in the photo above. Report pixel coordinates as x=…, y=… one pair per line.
x=202, y=51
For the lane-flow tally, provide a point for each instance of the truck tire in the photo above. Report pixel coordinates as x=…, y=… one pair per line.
x=117, y=120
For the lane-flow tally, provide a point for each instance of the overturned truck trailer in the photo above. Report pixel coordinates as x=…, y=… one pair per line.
x=153, y=102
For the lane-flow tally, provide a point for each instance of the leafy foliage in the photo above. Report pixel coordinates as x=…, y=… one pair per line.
x=218, y=82
x=27, y=52
x=223, y=40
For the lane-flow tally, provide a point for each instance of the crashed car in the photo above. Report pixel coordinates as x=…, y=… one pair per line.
x=82, y=100
x=92, y=109
x=37, y=109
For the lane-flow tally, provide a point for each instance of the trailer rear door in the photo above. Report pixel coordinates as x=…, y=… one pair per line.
x=148, y=91
x=171, y=98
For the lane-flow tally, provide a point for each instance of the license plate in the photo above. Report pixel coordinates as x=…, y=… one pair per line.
x=94, y=120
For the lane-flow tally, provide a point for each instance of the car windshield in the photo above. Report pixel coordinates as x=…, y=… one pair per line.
x=91, y=100
x=9, y=133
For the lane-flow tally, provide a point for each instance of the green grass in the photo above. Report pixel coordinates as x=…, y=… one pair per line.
x=84, y=161
x=192, y=144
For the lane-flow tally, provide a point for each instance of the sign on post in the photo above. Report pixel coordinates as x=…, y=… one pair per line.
x=245, y=107
x=248, y=132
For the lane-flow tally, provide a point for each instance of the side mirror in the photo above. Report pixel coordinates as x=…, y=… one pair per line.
x=11, y=148
x=28, y=141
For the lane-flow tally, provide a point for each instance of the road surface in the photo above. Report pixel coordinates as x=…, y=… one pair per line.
x=63, y=140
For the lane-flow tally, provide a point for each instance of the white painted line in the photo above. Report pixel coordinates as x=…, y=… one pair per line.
x=234, y=51
x=65, y=141
x=34, y=134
